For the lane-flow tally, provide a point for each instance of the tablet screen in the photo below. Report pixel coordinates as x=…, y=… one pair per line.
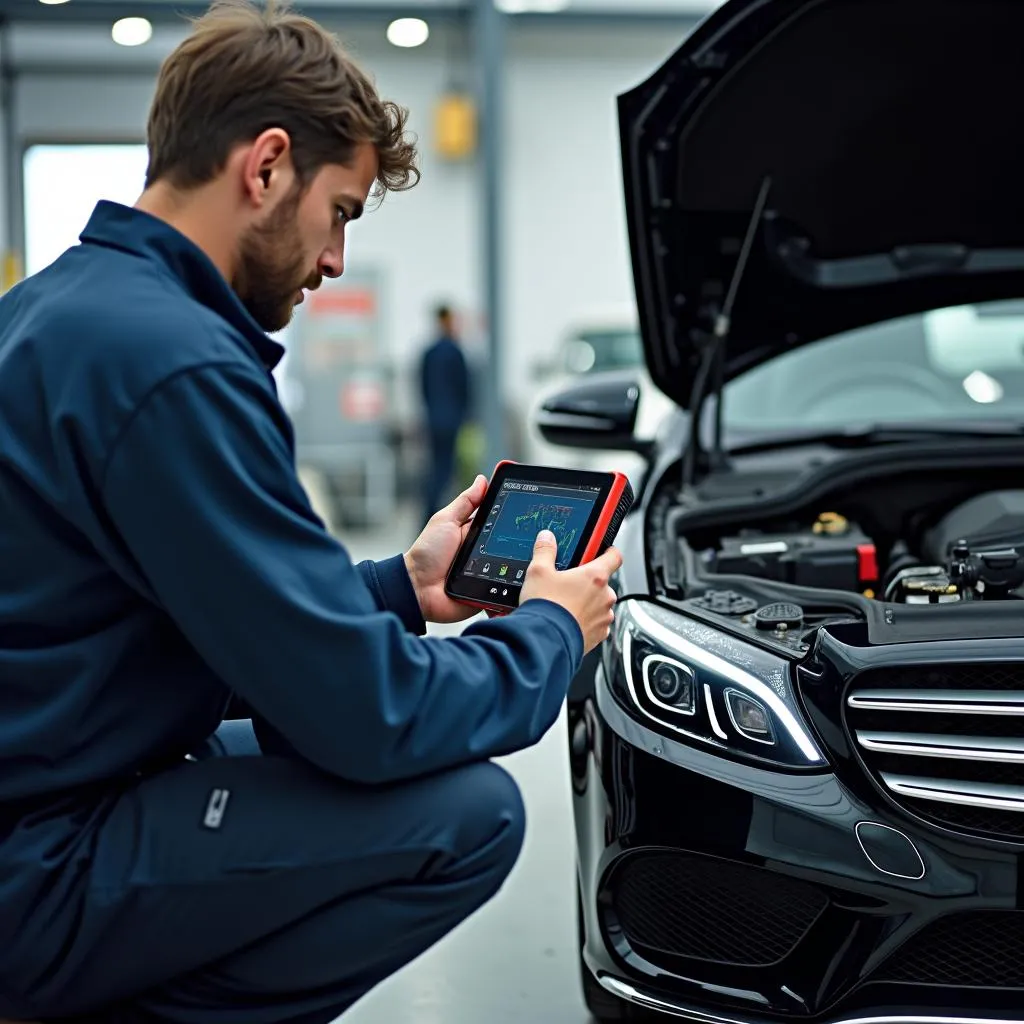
x=521, y=511
x=523, y=503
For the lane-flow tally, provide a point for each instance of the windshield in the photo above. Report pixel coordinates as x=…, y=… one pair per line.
x=594, y=351
x=964, y=362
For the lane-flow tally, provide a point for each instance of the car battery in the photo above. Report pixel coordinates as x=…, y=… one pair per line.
x=835, y=562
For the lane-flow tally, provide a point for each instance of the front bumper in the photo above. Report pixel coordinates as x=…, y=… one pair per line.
x=723, y=893
x=639, y=997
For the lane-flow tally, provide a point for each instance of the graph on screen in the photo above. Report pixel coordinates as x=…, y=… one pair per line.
x=523, y=516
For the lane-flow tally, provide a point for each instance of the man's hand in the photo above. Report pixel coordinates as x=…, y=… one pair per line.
x=584, y=592
x=431, y=556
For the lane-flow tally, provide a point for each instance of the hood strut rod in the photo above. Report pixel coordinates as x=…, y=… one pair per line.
x=714, y=351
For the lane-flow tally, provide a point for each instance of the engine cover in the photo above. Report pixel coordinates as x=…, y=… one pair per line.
x=993, y=520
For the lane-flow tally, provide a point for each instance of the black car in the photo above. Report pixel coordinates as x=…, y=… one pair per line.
x=798, y=761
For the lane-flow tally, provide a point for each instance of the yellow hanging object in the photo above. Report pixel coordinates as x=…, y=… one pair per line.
x=11, y=272
x=455, y=132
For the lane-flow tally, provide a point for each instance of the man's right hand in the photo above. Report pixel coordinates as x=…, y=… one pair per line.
x=583, y=592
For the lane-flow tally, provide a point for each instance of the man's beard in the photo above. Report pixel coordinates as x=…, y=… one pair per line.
x=271, y=266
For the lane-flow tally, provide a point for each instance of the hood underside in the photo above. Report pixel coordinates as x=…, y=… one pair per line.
x=885, y=136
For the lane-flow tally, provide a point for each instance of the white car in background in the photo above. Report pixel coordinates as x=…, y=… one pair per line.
x=605, y=344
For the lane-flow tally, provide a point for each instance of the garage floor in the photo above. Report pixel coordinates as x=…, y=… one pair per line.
x=515, y=960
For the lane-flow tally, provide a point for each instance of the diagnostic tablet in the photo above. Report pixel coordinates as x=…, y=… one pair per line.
x=583, y=509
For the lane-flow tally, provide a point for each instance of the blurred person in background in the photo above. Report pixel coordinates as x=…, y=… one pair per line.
x=444, y=380
x=237, y=782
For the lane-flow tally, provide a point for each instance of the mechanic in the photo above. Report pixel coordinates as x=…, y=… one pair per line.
x=161, y=562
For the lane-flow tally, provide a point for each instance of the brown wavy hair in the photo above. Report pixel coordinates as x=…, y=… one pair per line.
x=244, y=69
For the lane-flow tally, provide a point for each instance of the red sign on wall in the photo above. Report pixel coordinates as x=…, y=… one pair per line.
x=361, y=400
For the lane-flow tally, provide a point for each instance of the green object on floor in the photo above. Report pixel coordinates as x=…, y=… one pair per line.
x=469, y=453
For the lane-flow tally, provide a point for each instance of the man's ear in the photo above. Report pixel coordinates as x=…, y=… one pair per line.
x=267, y=169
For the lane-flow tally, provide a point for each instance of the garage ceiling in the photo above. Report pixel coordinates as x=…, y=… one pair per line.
x=166, y=10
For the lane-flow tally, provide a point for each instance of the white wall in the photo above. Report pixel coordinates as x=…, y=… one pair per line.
x=565, y=241
x=567, y=253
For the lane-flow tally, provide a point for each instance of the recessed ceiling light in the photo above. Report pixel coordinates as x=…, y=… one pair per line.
x=531, y=6
x=408, y=32
x=131, y=31
x=53, y=3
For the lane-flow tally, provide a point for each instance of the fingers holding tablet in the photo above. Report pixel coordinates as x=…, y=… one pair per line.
x=538, y=517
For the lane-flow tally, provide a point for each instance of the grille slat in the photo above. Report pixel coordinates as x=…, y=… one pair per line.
x=965, y=748
x=946, y=741
x=996, y=797
x=940, y=702
x=679, y=905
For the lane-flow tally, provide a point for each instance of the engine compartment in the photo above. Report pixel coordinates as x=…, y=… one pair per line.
x=850, y=553
x=974, y=552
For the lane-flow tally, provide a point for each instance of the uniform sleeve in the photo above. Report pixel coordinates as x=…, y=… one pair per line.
x=202, y=490
x=392, y=590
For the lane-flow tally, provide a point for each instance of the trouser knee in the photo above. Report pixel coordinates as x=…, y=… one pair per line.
x=490, y=821
x=507, y=804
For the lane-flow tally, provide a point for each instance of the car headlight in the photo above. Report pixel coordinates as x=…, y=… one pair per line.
x=708, y=687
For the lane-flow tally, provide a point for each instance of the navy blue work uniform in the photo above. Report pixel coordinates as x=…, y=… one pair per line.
x=445, y=386
x=159, y=559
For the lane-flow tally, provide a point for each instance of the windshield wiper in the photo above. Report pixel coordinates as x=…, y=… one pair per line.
x=877, y=434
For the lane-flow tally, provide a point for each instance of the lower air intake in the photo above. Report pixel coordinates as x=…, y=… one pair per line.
x=678, y=905
x=982, y=949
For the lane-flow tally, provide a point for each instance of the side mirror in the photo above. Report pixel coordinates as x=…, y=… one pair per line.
x=598, y=413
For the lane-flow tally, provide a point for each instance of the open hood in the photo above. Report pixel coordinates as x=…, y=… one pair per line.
x=865, y=157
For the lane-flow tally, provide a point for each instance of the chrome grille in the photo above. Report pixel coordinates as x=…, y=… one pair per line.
x=946, y=741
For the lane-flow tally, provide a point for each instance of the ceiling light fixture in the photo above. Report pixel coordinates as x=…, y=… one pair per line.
x=408, y=32
x=531, y=6
x=53, y=3
x=131, y=31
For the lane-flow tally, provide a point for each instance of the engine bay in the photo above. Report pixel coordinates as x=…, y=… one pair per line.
x=975, y=552
x=781, y=578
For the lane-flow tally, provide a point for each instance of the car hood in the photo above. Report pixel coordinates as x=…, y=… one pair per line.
x=883, y=137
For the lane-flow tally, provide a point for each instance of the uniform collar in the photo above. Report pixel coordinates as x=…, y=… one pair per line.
x=123, y=227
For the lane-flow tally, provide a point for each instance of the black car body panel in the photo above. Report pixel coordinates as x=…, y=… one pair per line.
x=754, y=899
x=798, y=761
x=880, y=127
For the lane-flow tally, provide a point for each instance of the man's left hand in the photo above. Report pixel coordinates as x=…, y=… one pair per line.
x=431, y=556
